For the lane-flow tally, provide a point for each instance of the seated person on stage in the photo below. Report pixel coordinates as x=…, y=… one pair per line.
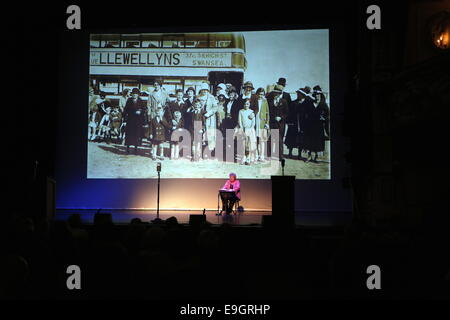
x=233, y=186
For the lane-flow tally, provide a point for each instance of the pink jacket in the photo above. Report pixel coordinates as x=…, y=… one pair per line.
x=236, y=187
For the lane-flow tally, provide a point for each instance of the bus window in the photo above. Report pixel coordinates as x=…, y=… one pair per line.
x=95, y=44
x=130, y=40
x=150, y=44
x=224, y=44
x=188, y=44
x=151, y=40
x=173, y=41
x=112, y=44
x=110, y=41
x=201, y=44
x=171, y=44
x=198, y=40
x=109, y=87
x=132, y=44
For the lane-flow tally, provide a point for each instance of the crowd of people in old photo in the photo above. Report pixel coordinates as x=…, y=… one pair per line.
x=303, y=123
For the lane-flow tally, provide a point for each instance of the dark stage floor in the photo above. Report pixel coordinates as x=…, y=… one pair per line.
x=253, y=218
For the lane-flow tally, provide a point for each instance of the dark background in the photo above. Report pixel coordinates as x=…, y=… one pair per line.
x=396, y=153
x=396, y=102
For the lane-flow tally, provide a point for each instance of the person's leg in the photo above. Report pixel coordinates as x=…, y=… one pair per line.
x=135, y=150
x=281, y=146
x=172, y=152
x=199, y=151
x=263, y=150
x=257, y=154
x=194, y=151
x=177, y=151
x=224, y=204
x=161, y=150
x=154, y=147
x=231, y=205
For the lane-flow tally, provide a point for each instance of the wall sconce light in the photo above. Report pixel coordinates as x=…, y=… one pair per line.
x=439, y=28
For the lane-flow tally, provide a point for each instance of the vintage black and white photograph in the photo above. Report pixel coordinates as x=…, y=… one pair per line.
x=209, y=103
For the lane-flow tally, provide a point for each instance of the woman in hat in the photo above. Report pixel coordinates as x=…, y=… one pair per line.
x=221, y=89
x=313, y=129
x=262, y=123
x=221, y=100
x=278, y=108
x=232, y=184
x=135, y=115
x=322, y=105
x=188, y=108
x=157, y=98
x=296, y=119
x=209, y=104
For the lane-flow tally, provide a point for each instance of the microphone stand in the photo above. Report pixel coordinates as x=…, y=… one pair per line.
x=219, y=213
x=157, y=201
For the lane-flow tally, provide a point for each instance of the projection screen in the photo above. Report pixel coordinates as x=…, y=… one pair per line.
x=207, y=104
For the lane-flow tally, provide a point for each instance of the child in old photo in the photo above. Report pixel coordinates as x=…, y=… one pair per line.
x=94, y=120
x=247, y=123
x=177, y=124
x=158, y=127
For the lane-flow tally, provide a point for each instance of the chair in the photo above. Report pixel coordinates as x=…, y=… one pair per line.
x=237, y=205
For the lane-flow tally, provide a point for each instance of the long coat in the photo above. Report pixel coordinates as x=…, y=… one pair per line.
x=187, y=114
x=314, y=130
x=295, y=123
x=135, y=115
x=156, y=98
x=210, y=108
x=262, y=116
x=286, y=96
x=278, y=110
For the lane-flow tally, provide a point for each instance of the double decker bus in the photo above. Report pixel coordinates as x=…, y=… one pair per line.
x=179, y=61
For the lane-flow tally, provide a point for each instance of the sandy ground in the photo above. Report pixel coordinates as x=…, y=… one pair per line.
x=112, y=161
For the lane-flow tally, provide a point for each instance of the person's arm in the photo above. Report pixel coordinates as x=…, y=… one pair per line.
x=226, y=186
x=237, y=186
x=103, y=120
x=240, y=120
